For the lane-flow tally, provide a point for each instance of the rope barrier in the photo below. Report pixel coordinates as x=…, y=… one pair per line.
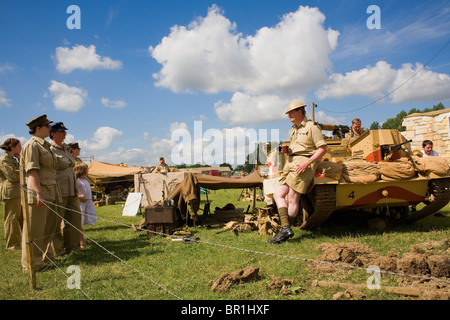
x=102, y=247
x=233, y=248
x=59, y=269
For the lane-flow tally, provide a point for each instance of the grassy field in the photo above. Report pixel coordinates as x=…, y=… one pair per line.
x=126, y=265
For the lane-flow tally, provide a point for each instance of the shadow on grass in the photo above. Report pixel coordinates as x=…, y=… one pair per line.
x=93, y=254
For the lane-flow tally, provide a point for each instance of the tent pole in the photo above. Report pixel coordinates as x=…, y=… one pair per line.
x=254, y=198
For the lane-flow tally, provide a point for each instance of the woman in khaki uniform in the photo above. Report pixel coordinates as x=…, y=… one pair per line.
x=307, y=146
x=75, y=151
x=10, y=193
x=67, y=237
x=39, y=166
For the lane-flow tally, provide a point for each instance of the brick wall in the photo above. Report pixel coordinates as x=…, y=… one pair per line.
x=434, y=126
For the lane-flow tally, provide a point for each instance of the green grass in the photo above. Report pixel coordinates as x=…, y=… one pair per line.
x=186, y=269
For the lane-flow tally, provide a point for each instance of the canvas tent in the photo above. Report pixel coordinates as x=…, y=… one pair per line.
x=105, y=175
x=188, y=191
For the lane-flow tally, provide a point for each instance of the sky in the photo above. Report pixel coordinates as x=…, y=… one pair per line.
x=188, y=79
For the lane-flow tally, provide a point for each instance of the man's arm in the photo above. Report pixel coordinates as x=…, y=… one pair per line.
x=320, y=152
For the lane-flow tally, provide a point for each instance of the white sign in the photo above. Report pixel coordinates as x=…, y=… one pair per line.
x=132, y=204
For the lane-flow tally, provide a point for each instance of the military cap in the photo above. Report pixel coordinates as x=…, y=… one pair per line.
x=38, y=121
x=58, y=126
x=295, y=105
x=74, y=145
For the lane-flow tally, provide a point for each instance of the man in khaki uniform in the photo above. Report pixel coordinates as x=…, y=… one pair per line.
x=162, y=167
x=39, y=166
x=67, y=234
x=307, y=145
x=356, y=129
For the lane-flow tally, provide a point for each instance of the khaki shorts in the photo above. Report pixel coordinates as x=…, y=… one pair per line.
x=298, y=182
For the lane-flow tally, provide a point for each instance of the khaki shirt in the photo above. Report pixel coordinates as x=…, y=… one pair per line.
x=354, y=134
x=36, y=155
x=305, y=138
x=161, y=167
x=65, y=174
x=9, y=177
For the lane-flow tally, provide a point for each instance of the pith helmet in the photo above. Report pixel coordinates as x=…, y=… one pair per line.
x=38, y=121
x=295, y=105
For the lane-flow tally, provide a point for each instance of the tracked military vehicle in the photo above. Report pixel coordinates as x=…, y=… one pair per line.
x=391, y=181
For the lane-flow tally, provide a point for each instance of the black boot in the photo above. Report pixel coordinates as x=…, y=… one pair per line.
x=282, y=236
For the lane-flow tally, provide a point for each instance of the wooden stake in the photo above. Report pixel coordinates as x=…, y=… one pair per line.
x=254, y=198
x=26, y=233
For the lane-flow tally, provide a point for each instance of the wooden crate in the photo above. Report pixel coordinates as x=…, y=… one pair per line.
x=157, y=214
x=160, y=229
x=161, y=221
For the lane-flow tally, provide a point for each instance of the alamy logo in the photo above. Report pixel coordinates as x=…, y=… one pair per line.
x=74, y=281
x=74, y=21
x=374, y=281
x=215, y=146
x=374, y=21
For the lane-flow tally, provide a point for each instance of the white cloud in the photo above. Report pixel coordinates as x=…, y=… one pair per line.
x=67, y=98
x=5, y=68
x=85, y=58
x=134, y=156
x=114, y=104
x=4, y=136
x=369, y=81
x=103, y=137
x=404, y=84
x=4, y=101
x=426, y=85
x=210, y=55
x=246, y=109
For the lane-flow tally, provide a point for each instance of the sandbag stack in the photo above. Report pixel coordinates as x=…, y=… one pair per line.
x=400, y=169
x=360, y=171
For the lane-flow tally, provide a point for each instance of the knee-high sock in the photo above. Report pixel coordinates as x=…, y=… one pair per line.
x=284, y=218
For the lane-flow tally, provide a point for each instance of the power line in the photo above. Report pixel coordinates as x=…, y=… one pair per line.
x=389, y=93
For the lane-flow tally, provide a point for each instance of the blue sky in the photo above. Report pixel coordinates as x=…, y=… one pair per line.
x=138, y=71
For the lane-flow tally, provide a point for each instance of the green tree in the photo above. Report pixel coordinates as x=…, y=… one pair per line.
x=396, y=122
x=375, y=125
x=226, y=165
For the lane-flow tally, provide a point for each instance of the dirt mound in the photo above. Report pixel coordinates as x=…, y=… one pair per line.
x=430, y=259
x=226, y=280
x=282, y=285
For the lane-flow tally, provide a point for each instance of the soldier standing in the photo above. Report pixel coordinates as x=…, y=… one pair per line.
x=75, y=151
x=10, y=193
x=67, y=239
x=39, y=166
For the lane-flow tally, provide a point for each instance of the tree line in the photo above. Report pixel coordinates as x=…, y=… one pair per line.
x=396, y=122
